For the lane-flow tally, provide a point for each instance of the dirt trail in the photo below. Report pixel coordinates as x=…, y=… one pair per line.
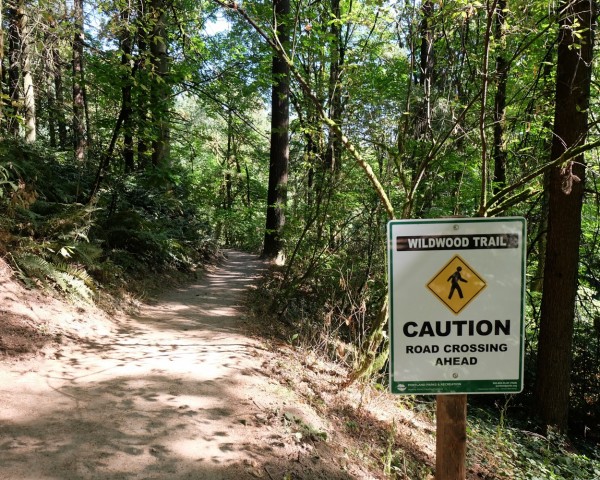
x=178, y=392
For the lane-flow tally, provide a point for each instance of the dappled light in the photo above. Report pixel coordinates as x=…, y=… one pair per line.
x=219, y=245
x=174, y=393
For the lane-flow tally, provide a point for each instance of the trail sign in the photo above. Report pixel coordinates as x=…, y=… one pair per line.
x=456, y=290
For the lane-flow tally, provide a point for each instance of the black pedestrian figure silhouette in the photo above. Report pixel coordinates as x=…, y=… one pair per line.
x=455, y=278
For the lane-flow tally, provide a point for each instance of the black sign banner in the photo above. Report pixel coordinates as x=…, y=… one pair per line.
x=457, y=242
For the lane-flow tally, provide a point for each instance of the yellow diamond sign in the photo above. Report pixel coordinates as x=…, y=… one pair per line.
x=456, y=285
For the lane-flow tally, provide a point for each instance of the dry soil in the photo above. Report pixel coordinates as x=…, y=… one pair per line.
x=177, y=391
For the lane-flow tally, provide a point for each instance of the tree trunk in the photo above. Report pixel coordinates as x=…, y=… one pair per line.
x=1, y=68
x=79, y=141
x=22, y=100
x=159, y=92
x=128, y=153
x=500, y=100
x=28, y=88
x=51, y=95
x=59, y=112
x=279, y=154
x=14, y=49
x=333, y=155
x=143, y=154
x=566, y=191
x=426, y=66
x=228, y=161
x=537, y=283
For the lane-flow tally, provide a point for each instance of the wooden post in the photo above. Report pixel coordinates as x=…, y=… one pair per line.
x=451, y=437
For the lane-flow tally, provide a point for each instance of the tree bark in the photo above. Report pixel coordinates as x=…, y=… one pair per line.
x=279, y=153
x=22, y=99
x=14, y=49
x=1, y=67
x=500, y=100
x=28, y=88
x=60, y=98
x=228, y=164
x=566, y=192
x=426, y=66
x=50, y=94
x=159, y=92
x=79, y=140
x=537, y=285
x=143, y=153
x=128, y=153
x=333, y=155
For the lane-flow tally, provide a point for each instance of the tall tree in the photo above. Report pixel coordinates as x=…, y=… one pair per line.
x=279, y=153
x=126, y=87
x=500, y=99
x=57, y=74
x=426, y=65
x=1, y=66
x=141, y=67
x=21, y=88
x=79, y=140
x=566, y=191
x=28, y=88
x=333, y=156
x=159, y=92
x=14, y=71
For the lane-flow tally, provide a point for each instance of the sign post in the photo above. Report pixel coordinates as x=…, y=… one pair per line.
x=451, y=437
x=456, y=290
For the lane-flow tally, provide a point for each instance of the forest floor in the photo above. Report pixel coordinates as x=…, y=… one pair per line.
x=182, y=389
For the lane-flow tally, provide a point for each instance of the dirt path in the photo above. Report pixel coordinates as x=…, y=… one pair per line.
x=178, y=392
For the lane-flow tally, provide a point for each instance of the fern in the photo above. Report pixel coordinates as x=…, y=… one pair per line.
x=71, y=279
x=76, y=271
x=88, y=254
x=5, y=179
x=73, y=286
x=70, y=223
x=32, y=267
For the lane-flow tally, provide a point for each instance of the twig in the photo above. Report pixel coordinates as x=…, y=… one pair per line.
x=268, y=473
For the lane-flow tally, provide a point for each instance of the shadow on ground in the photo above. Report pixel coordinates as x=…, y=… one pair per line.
x=152, y=428
x=177, y=393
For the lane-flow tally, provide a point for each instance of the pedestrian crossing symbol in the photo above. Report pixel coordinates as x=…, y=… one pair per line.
x=456, y=285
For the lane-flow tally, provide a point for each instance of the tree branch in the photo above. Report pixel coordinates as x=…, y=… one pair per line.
x=335, y=128
x=568, y=155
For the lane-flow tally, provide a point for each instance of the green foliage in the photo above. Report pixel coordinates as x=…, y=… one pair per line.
x=6, y=185
x=398, y=463
x=71, y=279
x=141, y=222
x=45, y=232
x=513, y=452
x=147, y=223
x=585, y=391
x=425, y=146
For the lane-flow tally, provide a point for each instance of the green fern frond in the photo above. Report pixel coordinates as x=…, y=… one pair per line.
x=71, y=279
x=59, y=279
x=88, y=253
x=32, y=269
x=33, y=264
x=76, y=271
x=74, y=287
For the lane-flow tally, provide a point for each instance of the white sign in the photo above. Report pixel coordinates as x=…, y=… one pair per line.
x=456, y=289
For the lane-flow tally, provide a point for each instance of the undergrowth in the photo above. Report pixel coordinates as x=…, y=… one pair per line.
x=499, y=447
x=56, y=238
x=511, y=451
